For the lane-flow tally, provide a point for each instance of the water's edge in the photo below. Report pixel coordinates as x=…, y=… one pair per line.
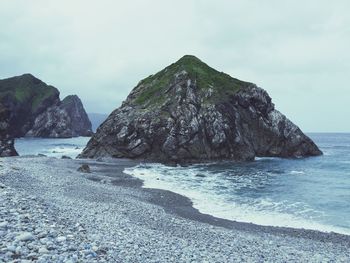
x=311, y=193
x=219, y=209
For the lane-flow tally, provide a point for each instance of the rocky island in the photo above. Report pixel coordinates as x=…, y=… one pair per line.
x=36, y=110
x=190, y=112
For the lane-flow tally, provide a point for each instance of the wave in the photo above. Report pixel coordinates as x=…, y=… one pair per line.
x=261, y=211
x=51, y=146
x=297, y=172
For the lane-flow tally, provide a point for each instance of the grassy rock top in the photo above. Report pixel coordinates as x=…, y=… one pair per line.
x=26, y=88
x=205, y=77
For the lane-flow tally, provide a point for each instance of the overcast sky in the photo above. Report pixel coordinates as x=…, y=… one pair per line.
x=297, y=50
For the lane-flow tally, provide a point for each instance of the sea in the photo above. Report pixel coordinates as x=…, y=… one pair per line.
x=310, y=193
x=51, y=147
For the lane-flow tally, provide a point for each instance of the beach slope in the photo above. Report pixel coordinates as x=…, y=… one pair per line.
x=50, y=212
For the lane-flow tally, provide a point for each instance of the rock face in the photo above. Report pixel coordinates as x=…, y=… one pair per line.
x=36, y=110
x=26, y=97
x=65, y=120
x=6, y=141
x=190, y=112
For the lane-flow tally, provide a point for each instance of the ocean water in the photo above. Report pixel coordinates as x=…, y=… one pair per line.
x=310, y=193
x=51, y=147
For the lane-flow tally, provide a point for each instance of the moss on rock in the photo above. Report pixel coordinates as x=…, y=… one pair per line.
x=153, y=87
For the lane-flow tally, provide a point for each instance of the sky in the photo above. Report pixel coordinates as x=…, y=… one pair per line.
x=296, y=50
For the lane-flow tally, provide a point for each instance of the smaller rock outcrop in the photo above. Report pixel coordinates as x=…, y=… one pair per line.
x=65, y=120
x=37, y=111
x=6, y=141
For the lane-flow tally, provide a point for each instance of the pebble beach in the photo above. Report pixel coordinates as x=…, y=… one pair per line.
x=50, y=212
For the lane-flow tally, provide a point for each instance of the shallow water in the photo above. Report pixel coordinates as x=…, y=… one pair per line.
x=311, y=193
x=51, y=147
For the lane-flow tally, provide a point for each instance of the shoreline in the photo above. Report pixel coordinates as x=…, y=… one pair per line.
x=181, y=205
x=197, y=207
x=114, y=205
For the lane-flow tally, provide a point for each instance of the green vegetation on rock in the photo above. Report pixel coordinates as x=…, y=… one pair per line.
x=153, y=87
x=26, y=89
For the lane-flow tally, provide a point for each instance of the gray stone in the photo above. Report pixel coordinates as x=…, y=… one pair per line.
x=84, y=168
x=11, y=248
x=25, y=236
x=5, y=223
x=43, y=250
x=61, y=239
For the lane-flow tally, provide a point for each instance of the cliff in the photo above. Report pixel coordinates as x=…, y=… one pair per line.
x=36, y=110
x=26, y=97
x=190, y=112
x=65, y=120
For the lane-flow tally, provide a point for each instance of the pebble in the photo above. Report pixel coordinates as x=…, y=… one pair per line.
x=3, y=224
x=25, y=236
x=43, y=250
x=11, y=248
x=61, y=239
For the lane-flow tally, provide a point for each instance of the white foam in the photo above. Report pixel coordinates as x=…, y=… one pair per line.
x=263, y=212
x=51, y=146
x=297, y=172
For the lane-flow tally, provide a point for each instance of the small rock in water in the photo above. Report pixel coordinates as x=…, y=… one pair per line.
x=65, y=157
x=85, y=168
x=41, y=155
x=200, y=175
x=25, y=236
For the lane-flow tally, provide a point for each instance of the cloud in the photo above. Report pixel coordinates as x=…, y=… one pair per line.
x=296, y=50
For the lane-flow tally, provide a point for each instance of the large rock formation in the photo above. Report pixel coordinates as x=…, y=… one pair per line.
x=6, y=141
x=65, y=120
x=26, y=97
x=36, y=110
x=190, y=112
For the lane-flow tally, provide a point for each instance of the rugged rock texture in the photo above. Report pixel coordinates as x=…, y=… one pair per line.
x=36, y=110
x=6, y=141
x=26, y=97
x=190, y=112
x=65, y=120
